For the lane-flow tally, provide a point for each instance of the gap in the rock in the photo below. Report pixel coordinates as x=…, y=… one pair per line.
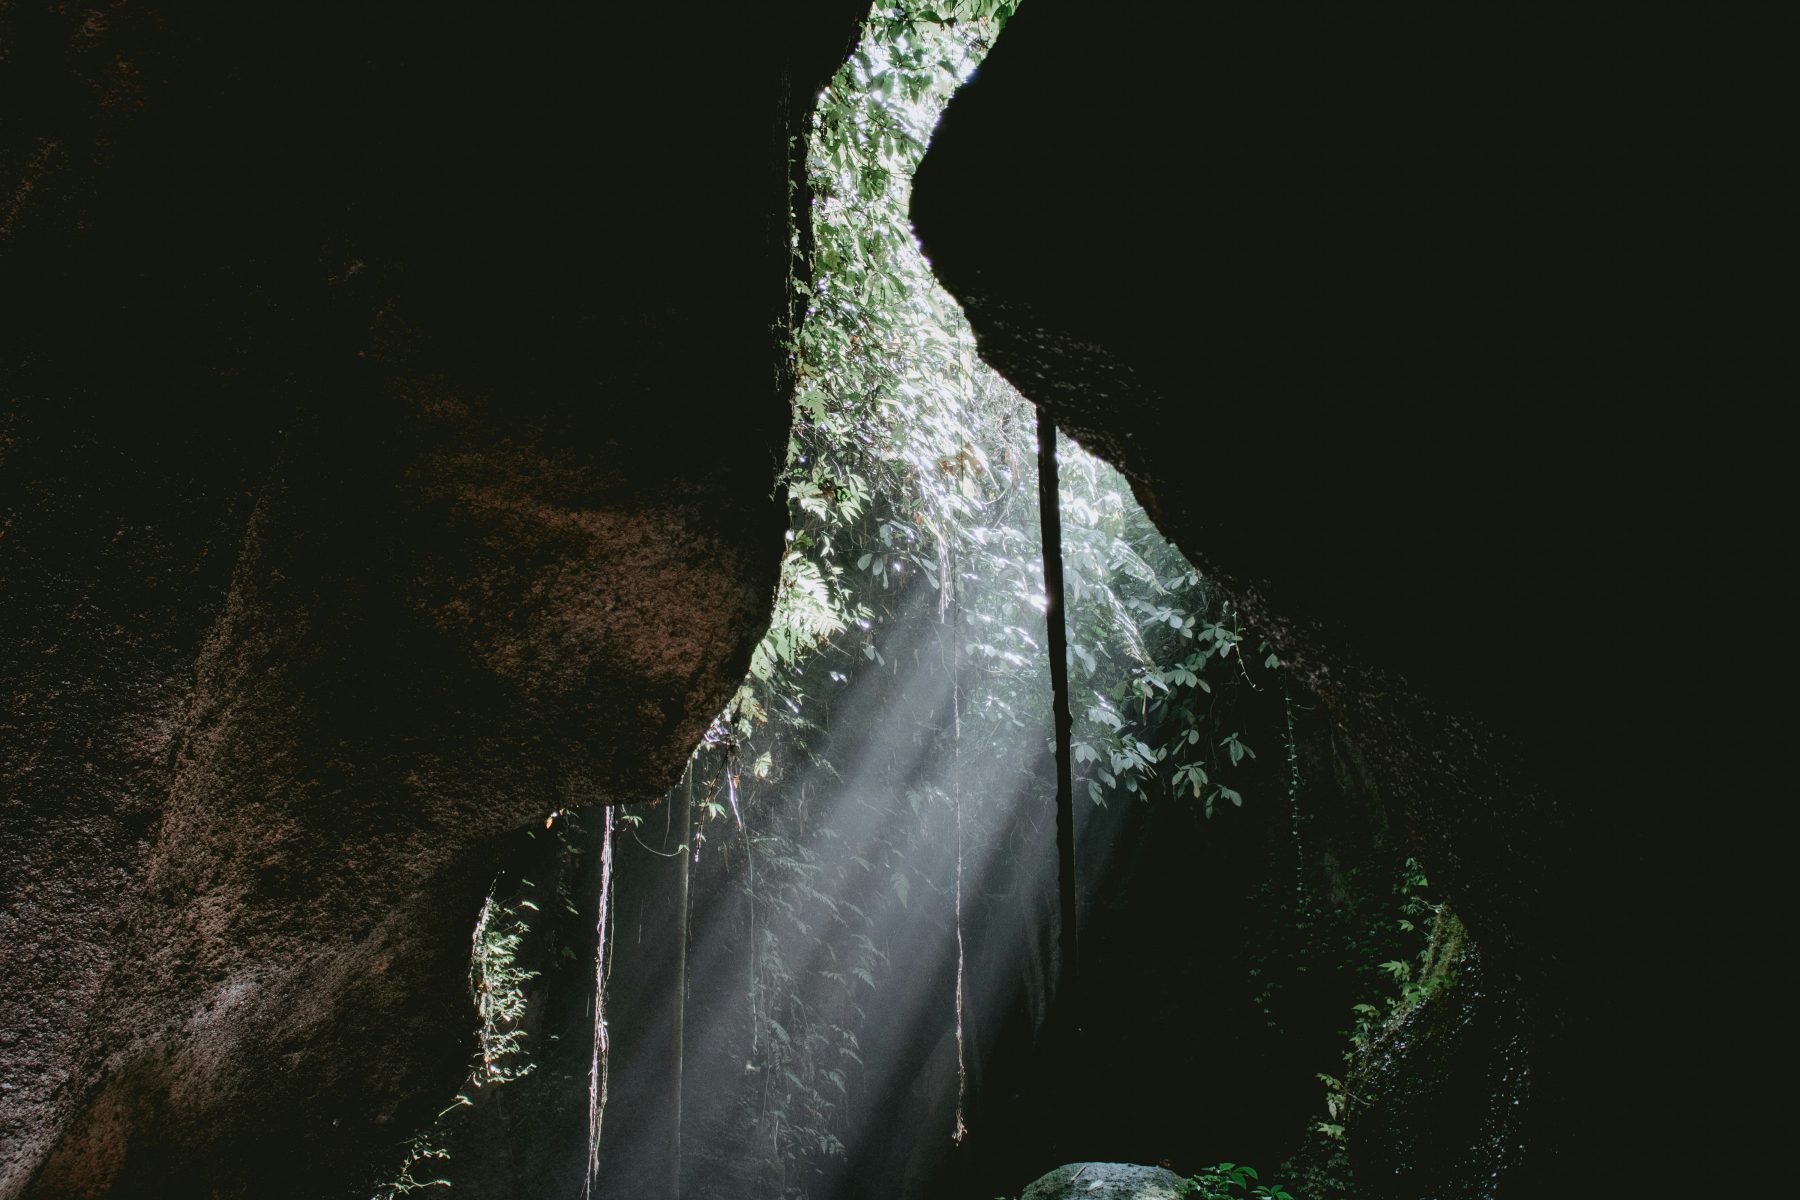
x=831, y=951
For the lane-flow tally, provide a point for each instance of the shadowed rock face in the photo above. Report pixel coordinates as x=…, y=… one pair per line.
x=393, y=401
x=1362, y=305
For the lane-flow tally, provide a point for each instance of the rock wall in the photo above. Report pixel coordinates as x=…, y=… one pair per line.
x=393, y=402
x=1372, y=309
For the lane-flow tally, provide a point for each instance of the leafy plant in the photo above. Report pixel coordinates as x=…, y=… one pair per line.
x=1415, y=979
x=1234, y=1181
x=497, y=980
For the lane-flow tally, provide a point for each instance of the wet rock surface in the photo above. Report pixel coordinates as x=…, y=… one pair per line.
x=1441, y=1092
x=1125, y=1181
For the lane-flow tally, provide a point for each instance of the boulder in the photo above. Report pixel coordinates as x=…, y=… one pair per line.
x=1108, y=1181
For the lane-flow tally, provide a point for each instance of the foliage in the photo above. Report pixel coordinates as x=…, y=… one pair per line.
x=892, y=460
x=497, y=981
x=497, y=986
x=887, y=382
x=911, y=479
x=910, y=461
x=1156, y=659
x=1234, y=1181
x=1415, y=979
x=808, y=1049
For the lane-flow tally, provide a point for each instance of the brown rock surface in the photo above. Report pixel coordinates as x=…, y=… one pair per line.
x=393, y=400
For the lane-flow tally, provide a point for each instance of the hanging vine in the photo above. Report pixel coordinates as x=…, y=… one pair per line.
x=597, y=1069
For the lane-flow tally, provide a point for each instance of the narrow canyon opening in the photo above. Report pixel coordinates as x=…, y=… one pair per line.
x=826, y=964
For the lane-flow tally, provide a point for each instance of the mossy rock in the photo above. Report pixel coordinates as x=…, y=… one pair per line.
x=1440, y=1087
x=1108, y=1181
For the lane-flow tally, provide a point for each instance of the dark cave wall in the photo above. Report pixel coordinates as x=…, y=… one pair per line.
x=370, y=371
x=363, y=496
x=1368, y=308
